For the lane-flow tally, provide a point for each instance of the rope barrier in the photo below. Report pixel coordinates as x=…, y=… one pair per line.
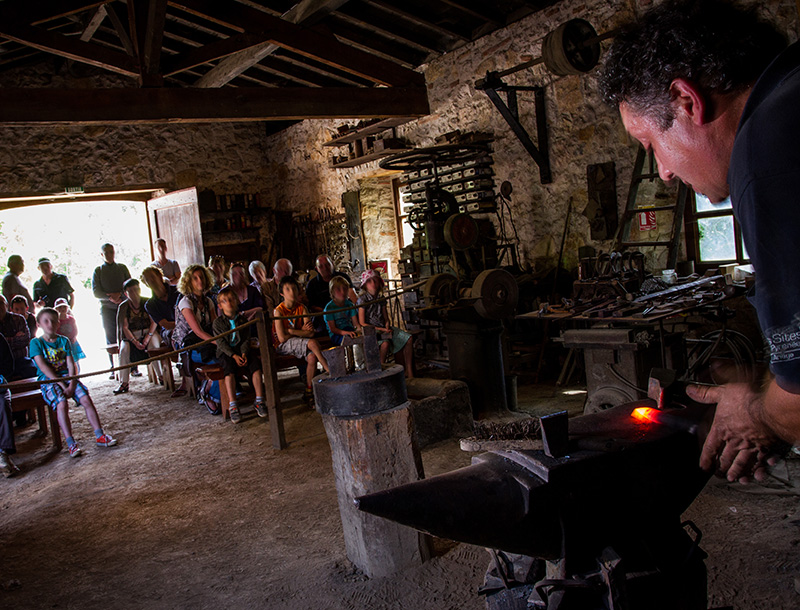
x=167, y=355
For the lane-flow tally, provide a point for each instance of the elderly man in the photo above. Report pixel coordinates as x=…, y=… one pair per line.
x=12, y=285
x=52, y=286
x=709, y=88
x=15, y=329
x=107, y=282
x=282, y=268
x=318, y=292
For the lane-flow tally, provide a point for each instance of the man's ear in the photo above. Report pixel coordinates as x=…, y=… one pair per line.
x=688, y=100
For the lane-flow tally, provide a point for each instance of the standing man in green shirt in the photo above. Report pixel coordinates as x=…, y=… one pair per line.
x=107, y=283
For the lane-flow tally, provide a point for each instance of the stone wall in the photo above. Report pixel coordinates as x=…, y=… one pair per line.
x=380, y=224
x=581, y=129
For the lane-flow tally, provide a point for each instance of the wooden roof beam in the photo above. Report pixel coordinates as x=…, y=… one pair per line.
x=94, y=24
x=326, y=49
x=34, y=13
x=191, y=105
x=70, y=48
x=304, y=11
x=424, y=23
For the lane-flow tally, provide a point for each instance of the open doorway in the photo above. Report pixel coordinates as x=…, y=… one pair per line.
x=70, y=235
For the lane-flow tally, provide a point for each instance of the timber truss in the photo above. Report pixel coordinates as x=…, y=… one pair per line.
x=235, y=60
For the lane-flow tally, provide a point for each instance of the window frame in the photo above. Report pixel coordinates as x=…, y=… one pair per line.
x=691, y=226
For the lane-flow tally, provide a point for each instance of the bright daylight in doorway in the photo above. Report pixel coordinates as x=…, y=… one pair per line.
x=70, y=235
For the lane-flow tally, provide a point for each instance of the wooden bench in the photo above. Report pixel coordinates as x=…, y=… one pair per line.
x=26, y=396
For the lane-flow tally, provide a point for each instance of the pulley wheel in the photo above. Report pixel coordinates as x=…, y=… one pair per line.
x=440, y=289
x=569, y=48
x=497, y=294
x=461, y=232
x=606, y=398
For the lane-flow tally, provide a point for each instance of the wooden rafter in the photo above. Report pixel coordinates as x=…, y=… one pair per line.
x=212, y=52
x=94, y=24
x=305, y=11
x=160, y=105
x=34, y=13
x=326, y=49
x=390, y=9
x=119, y=28
x=70, y=48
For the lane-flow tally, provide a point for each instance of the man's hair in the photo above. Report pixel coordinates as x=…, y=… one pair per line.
x=287, y=279
x=19, y=299
x=14, y=259
x=105, y=247
x=337, y=281
x=228, y=292
x=160, y=240
x=320, y=257
x=718, y=46
x=46, y=311
x=129, y=283
x=255, y=266
x=288, y=263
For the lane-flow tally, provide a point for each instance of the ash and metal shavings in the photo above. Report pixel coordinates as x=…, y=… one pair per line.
x=653, y=284
x=518, y=430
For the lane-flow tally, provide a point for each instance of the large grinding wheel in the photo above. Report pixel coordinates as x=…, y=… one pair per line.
x=461, y=231
x=433, y=156
x=572, y=48
x=606, y=398
x=497, y=294
x=440, y=289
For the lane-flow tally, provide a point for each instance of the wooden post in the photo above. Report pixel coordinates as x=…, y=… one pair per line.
x=270, y=378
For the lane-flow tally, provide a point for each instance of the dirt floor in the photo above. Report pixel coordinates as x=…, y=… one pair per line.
x=188, y=512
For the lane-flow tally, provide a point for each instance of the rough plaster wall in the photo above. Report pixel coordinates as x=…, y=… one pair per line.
x=582, y=130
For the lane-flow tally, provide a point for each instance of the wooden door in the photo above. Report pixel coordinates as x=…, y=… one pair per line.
x=176, y=218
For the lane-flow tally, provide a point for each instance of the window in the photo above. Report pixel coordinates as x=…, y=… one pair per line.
x=713, y=236
x=405, y=232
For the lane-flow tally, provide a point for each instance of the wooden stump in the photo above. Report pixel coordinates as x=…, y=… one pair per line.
x=372, y=453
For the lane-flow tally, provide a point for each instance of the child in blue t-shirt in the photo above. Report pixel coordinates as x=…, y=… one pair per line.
x=344, y=323
x=54, y=358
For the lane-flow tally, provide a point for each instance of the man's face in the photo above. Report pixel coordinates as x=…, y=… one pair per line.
x=108, y=254
x=281, y=271
x=325, y=268
x=683, y=151
x=162, y=248
x=46, y=269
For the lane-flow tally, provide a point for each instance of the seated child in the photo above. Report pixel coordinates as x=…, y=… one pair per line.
x=52, y=354
x=343, y=323
x=375, y=314
x=136, y=333
x=19, y=305
x=293, y=337
x=69, y=328
x=234, y=352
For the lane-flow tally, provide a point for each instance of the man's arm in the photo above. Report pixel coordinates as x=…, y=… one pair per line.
x=97, y=287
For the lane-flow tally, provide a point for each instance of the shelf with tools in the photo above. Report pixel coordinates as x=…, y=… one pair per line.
x=368, y=142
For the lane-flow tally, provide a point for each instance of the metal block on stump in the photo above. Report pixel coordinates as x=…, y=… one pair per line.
x=373, y=448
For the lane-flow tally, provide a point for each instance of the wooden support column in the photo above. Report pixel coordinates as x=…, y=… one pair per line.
x=270, y=377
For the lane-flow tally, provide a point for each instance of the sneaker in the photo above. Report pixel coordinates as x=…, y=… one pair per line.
x=106, y=440
x=74, y=450
x=136, y=373
x=112, y=376
x=8, y=467
x=261, y=409
x=236, y=417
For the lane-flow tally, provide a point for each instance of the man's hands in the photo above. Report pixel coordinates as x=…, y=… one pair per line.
x=115, y=297
x=240, y=360
x=738, y=444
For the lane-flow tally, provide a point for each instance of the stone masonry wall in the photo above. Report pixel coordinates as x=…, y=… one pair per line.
x=581, y=129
